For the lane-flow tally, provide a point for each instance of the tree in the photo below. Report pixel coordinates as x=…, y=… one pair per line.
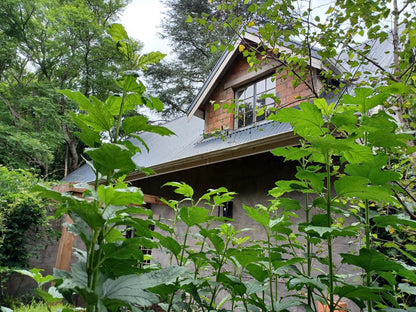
x=343, y=39
x=52, y=45
x=177, y=79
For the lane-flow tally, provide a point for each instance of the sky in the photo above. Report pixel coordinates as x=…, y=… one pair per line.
x=141, y=19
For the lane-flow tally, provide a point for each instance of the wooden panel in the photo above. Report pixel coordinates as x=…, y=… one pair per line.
x=66, y=242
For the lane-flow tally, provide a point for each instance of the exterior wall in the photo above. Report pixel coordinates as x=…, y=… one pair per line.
x=250, y=177
x=223, y=119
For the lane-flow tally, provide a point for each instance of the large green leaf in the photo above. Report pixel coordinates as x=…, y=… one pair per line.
x=98, y=116
x=160, y=277
x=259, y=215
x=126, y=249
x=77, y=97
x=364, y=99
x=374, y=170
x=120, y=196
x=111, y=157
x=128, y=288
x=393, y=221
x=129, y=84
x=87, y=135
x=117, y=32
x=372, y=260
x=181, y=188
x=139, y=123
x=291, y=153
x=360, y=187
x=194, y=215
x=307, y=121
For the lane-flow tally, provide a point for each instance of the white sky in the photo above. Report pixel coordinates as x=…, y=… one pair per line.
x=141, y=19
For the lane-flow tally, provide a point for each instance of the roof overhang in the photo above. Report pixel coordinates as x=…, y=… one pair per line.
x=242, y=150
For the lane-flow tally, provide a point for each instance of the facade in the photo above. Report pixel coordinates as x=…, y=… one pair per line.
x=214, y=147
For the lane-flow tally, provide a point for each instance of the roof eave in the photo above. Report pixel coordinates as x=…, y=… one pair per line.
x=248, y=149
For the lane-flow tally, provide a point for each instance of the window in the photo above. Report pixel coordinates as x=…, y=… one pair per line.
x=249, y=102
x=147, y=253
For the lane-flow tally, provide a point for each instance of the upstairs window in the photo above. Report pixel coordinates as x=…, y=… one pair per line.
x=249, y=102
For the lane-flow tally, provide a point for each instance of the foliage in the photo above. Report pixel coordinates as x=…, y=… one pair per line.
x=177, y=80
x=22, y=217
x=39, y=307
x=110, y=274
x=52, y=45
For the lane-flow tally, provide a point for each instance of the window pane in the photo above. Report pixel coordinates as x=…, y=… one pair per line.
x=249, y=91
x=270, y=84
x=239, y=94
x=249, y=111
x=260, y=86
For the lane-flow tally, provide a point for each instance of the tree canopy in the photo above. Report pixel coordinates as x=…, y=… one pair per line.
x=51, y=45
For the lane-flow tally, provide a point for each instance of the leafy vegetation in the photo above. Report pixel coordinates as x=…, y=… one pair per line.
x=355, y=170
x=22, y=216
x=51, y=45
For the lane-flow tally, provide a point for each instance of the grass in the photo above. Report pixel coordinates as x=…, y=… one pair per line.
x=40, y=307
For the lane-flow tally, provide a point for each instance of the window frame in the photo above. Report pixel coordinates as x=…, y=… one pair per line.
x=252, y=100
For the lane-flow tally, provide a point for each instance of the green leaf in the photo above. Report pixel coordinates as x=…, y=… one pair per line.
x=284, y=187
x=364, y=100
x=194, y=215
x=259, y=215
x=359, y=187
x=170, y=244
x=129, y=84
x=111, y=157
x=393, y=221
x=291, y=153
x=357, y=291
x=150, y=58
x=307, y=121
x=139, y=123
x=125, y=249
x=87, y=135
x=49, y=297
x=120, y=197
x=36, y=275
x=374, y=170
x=163, y=276
x=372, y=260
x=257, y=272
x=76, y=96
x=129, y=289
x=405, y=287
x=117, y=32
x=98, y=116
x=181, y=188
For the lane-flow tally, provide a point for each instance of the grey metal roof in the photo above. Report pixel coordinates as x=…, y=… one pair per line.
x=188, y=142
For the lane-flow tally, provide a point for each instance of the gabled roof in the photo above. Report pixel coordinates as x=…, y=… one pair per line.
x=226, y=60
x=189, y=148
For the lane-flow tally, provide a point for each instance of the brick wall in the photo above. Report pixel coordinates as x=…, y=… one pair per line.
x=221, y=119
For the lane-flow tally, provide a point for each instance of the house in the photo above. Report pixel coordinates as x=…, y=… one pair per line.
x=214, y=148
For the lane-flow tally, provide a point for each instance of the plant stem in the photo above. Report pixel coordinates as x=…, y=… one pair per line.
x=270, y=268
x=120, y=117
x=329, y=239
x=368, y=245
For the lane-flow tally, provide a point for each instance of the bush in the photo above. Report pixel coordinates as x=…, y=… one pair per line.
x=22, y=214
